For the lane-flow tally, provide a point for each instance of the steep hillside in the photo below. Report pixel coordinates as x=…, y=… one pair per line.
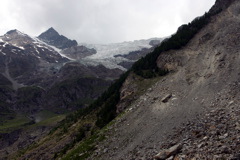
x=183, y=96
x=196, y=106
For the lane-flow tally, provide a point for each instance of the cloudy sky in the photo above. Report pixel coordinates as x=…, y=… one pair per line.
x=100, y=21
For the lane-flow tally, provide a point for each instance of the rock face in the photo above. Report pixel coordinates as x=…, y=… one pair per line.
x=78, y=52
x=26, y=60
x=52, y=37
x=136, y=55
x=202, y=111
x=164, y=154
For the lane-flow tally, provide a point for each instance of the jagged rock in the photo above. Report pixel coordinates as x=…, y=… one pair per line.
x=52, y=37
x=236, y=157
x=237, y=126
x=166, y=153
x=166, y=98
x=224, y=136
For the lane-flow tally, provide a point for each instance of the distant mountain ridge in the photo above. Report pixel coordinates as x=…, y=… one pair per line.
x=52, y=37
x=108, y=55
x=51, y=75
x=27, y=61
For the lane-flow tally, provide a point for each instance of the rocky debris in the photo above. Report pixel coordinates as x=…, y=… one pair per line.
x=166, y=153
x=19, y=140
x=215, y=135
x=166, y=98
x=198, y=83
x=127, y=91
x=78, y=52
x=135, y=55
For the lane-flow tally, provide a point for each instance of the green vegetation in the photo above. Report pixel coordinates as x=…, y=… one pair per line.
x=29, y=94
x=76, y=92
x=45, y=114
x=107, y=110
x=85, y=148
x=47, y=118
x=6, y=113
x=50, y=121
x=13, y=124
x=91, y=119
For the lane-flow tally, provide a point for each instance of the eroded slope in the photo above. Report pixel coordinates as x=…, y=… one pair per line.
x=205, y=77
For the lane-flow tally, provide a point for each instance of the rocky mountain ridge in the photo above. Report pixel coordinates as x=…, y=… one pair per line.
x=52, y=37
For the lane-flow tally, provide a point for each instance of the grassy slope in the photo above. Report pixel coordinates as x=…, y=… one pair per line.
x=16, y=123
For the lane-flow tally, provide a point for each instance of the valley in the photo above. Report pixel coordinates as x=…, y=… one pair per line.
x=47, y=77
x=162, y=99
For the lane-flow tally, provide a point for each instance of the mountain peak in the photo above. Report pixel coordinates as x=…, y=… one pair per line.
x=51, y=32
x=51, y=29
x=15, y=31
x=52, y=37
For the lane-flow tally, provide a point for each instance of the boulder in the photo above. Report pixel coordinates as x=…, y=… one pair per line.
x=166, y=153
x=166, y=98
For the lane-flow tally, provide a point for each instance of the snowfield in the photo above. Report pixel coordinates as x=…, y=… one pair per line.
x=106, y=52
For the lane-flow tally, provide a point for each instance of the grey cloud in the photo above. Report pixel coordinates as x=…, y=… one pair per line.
x=101, y=21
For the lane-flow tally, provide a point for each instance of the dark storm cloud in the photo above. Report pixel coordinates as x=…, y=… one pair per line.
x=100, y=21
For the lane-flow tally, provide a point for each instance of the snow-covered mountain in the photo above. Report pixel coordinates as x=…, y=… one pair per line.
x=109, y=55
x=27, y=64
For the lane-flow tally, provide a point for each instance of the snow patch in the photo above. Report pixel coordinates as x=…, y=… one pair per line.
x=36, y=49
x=19, y=47
x=20, y=33
x=14, y=51
x=43, y=44
x=110, y=63
x=3, y=53
x=106, y=52
x=110, y=50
